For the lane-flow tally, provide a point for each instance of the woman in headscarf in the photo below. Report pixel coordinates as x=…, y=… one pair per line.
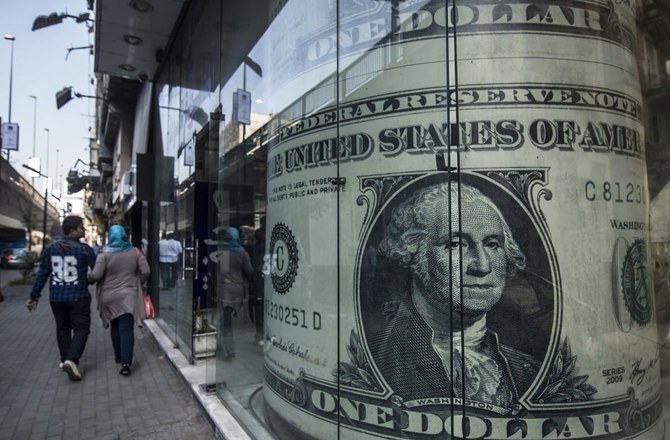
x=234, y=269
x=120, y=271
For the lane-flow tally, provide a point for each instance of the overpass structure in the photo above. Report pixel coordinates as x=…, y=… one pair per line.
x=21, y=205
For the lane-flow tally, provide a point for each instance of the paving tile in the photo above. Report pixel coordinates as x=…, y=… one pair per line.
x=38, y=401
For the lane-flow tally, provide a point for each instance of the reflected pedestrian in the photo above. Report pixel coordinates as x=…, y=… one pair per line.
x=257, y=291
x=169, y=255
x=234, y=269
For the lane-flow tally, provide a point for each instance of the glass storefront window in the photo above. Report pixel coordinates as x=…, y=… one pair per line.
x=187, y=99
x=416, y=219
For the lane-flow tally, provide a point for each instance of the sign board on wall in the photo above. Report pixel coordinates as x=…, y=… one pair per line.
x=10, y=135
x=242, y=104
x=189, y=153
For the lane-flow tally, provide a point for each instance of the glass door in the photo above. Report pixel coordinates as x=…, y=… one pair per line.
x=197, y=233
x=398, y=216
x=280, y=340
x=184, y=272
x=418, y=219
x=207, y=234
x=491, y=245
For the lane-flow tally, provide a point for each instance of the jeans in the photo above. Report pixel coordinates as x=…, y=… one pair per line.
x=258, y=311
x=73, y=324
x=227, y=333
x=169, y=274
x=166, y=274
x=123, y=338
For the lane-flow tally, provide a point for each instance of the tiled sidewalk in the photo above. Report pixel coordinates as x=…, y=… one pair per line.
x=38, y=401
x=162, y=399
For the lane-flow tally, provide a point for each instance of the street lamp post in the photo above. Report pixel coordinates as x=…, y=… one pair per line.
x=55, y=185
x=47, y=164
x=11, y=38
x=46, y=197
x=34, y=121
x=46, y=191
x=32, y=179
x=44, y=218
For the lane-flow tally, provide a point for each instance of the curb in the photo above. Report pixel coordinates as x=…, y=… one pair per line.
x=224, y=424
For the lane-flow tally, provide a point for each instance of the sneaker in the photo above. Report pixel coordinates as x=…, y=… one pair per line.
x=72, y=371
x=125, y=370
x=60, y=365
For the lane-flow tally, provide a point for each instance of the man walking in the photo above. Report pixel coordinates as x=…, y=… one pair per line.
x=169, y=254
x=67, y=262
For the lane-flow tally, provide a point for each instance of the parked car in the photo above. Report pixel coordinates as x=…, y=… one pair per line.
x=17, y=258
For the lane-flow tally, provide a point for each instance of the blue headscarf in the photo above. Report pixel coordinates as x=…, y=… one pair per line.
x=231, y=240
x=118, y=240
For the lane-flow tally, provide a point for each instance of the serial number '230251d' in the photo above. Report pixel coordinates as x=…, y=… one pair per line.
x=293, y=316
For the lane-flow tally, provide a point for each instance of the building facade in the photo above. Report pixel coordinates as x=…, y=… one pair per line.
x=454, y=213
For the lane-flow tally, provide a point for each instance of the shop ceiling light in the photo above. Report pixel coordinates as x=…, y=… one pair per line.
x=141, y=6
x=133, y=40
x=67, y=94
x=63, y=97
x=43, y=21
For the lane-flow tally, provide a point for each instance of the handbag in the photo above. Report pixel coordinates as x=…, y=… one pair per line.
x=143, y=306
x=148, y=307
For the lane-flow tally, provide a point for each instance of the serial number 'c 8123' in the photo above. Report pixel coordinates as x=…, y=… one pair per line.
x=615, y=192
